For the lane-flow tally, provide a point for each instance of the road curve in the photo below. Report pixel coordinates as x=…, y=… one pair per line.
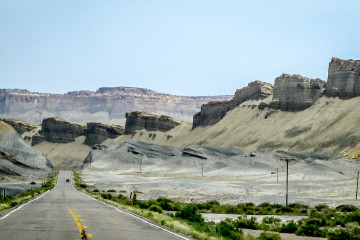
x=63, y=213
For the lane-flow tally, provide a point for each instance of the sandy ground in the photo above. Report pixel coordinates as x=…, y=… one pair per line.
x=331, y=182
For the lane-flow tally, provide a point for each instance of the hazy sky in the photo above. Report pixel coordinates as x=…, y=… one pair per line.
x=179, y=47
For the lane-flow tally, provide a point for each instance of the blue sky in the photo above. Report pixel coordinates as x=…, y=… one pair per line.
x=188, y=48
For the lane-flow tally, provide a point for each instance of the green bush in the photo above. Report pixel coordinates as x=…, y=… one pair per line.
x=96, y=190
x=82, y=185
x=111, y=190
x=156, y=208
x=269, y=236
x=320, y=207
x=228, y=230
x=13, y=204
x=191, y=213
x=311, y=228
x=346, y=208
x=243, y=222
x=290, y=227
x=106, y=196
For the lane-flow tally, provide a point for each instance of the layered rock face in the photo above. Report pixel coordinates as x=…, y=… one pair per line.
x=60, y=131
x=343, y=78
x=213, y=112
x=149, y=122
x=96, y=133
x=296, y=93
x=106, y=105
x=20, y=126
x=256, y=90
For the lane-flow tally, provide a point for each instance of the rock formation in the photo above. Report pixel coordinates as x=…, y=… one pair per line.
x=296, y=93
x=96, y=133
x=60, y=131
x=106, y=105
x=19, y=125
x=343, y=78
x=18, y=158
x=149, y=122
x=213, y=112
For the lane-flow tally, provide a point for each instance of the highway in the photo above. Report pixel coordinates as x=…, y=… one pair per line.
x=63, y=213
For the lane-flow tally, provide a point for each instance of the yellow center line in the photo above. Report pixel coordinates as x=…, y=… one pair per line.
x=77, y=221
x=82, y=232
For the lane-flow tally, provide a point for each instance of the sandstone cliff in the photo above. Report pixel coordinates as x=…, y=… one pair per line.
x=106, y=105
x=96, y=133
x=149, y=122
x=60, y=131
x=343, y=78
x=296, y=93
x=213, y=112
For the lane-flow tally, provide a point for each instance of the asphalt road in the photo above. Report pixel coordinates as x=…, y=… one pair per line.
x=63, y=213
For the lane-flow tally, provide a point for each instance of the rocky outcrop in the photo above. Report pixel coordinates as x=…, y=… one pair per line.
x=343, y=79
x=36, y=139
x=256, y=90
x=96, y=133
x=296, y=93
x=149, y=122
x=18, y=158
x=213, y=112
x=106, y=105
x=19, y=125
x=60, y=131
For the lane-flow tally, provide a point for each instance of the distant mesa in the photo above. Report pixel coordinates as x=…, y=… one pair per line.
x=106, y=105
x=149, y=122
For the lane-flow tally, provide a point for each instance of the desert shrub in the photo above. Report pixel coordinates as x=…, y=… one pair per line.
x=106, y=196
x=190, y=212
x=243, y=222
x=290, y=227
x=111, y=190
x=208, y=205
x=310, y=228
x=228, y=230
x=165, y=203
x=156, y=208
x=284, y=209
x=320, y=207
x=352, y=217
x=269, y=236
x=346, y=208
x=120, y=196
x=270, y=220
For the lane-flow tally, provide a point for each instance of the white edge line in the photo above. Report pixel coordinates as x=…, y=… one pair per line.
x=133, y=215
x=23, y=205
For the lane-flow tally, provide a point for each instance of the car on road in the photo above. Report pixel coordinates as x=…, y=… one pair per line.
x=67, y=180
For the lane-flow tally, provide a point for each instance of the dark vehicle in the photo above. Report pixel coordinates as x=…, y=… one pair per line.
x=67, y=180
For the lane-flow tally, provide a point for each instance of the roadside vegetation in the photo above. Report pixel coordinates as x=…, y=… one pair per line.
x=343, y=222
x=11, y=201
